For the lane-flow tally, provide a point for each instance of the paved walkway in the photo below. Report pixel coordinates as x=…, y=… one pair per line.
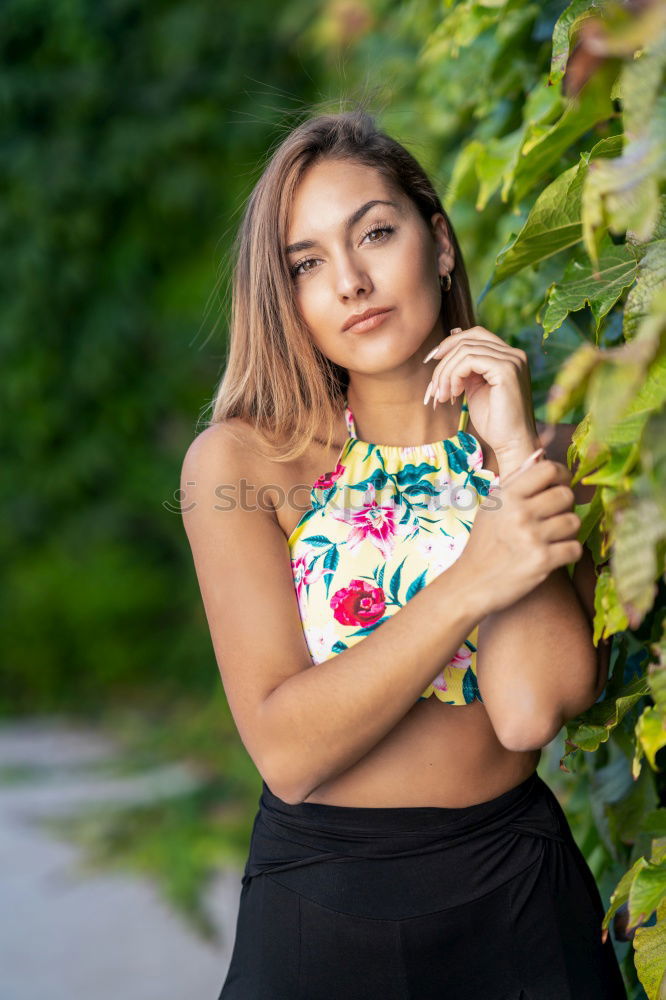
x=66, y=935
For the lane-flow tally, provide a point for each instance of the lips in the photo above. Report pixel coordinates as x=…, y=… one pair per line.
x=360, y=318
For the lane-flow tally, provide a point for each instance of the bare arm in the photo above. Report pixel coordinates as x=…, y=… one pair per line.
x=537, y=664
x=302, y=723
x=341, y=708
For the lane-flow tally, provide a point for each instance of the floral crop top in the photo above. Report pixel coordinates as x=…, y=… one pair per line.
x=384, y=523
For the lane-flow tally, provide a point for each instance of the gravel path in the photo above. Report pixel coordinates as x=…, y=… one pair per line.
x=64, y=935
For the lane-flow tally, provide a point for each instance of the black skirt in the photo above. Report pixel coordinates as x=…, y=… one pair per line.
x=493, y=901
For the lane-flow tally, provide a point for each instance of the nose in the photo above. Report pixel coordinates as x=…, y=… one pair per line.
x=351, y=278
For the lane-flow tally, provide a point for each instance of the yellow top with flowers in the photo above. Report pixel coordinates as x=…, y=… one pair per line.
x=382, y=524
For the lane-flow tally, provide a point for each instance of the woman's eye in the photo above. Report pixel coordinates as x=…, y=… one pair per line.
x=295, y=269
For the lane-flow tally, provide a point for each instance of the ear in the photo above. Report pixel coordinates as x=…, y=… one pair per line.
x=446, y=258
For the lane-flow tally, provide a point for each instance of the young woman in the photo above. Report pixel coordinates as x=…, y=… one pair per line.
x=386, y=588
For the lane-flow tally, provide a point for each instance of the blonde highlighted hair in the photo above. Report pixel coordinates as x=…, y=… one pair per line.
x=275, y=376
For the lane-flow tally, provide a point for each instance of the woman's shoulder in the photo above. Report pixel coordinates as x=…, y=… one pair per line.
x=230, y=443
x=225, y=456
x=232, y=451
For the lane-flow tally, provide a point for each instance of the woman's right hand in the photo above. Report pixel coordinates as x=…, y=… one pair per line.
x=523, y=531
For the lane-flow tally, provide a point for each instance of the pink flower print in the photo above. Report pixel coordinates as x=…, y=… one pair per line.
x=374, y=521
x=475, y=460
x=462, y=659
x=304, y=576
x=361, y=603
x=439, y=682
x=326, y=481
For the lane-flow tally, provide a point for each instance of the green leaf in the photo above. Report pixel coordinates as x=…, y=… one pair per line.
x=620, y=894
x=456, y=456
x=589, y=730
x=470, y=687
x=640, y=526
x=616, y=470
x=416, y=585
x=625, y=816
x=579, y=286
x=656, y=675
x=639, y=84
x=650, y=955
x=589, y=107
x=623, y=194
x=495, y=165
x=654, y=823
x=570, y=386
x=463, y=175
x=609, y=615
x=651, y=734
x=394, y=585
x=650, y=278
x=554, y=222
x=564, y=28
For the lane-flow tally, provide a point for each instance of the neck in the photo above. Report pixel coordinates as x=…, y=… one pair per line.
x=405, y=421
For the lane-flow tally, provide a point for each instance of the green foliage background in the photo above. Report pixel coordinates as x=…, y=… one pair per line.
x=132, y=135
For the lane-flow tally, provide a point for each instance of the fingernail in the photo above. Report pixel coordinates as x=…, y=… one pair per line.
x=525, y=465
x=456, y=329
x=530, y=458
x=431, y=355
x=529, y=461
x=427, y=393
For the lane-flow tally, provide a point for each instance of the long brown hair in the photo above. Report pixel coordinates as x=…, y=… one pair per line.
x=275, y=377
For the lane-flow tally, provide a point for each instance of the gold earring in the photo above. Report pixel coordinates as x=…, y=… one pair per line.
x=445, y=287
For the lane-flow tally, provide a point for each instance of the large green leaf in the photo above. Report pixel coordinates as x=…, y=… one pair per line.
x=620, y=894
x=591, y=106
x=580, y=286
x=650, y=955
x=554, y=222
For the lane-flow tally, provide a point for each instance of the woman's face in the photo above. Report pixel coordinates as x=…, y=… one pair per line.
x=365, y=256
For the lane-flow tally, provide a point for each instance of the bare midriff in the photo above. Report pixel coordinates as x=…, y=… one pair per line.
x=438, y=754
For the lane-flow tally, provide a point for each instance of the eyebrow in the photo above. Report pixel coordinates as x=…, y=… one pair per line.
x=351, y=221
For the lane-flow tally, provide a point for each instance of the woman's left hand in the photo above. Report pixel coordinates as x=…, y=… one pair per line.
x=496, y=380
